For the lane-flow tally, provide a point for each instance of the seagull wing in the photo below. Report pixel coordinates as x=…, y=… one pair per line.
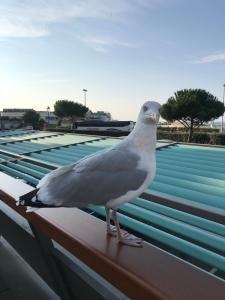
x=96, y=179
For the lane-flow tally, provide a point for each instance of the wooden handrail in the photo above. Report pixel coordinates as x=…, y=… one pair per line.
x=188, y=206
x=141, y=273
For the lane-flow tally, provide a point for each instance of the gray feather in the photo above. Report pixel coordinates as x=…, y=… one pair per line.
x=94, y=180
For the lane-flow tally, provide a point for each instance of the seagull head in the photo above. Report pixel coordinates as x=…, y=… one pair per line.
x=150, y=112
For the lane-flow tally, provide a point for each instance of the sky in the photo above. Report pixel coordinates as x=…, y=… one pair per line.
x=124, y=52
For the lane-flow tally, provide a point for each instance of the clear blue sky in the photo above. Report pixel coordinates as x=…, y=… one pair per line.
x=123, y=51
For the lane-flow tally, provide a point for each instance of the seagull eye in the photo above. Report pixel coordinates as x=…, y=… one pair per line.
x=145, y=108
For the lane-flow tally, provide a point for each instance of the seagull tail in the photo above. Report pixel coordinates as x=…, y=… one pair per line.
x=30, y=200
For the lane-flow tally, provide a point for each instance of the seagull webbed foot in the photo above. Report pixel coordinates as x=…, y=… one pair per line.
x=125, y=237
x=130, y=239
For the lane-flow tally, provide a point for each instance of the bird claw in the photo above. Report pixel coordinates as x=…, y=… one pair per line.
x=126, y=238
x=130, y=239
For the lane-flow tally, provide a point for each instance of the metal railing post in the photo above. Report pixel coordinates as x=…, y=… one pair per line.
x=46, y=248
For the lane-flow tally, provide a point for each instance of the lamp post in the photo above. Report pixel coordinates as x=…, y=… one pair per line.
x=223, y=105
x=85, y=93
x=48, y=110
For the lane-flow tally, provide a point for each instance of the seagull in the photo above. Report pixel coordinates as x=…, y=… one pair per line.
x=107, y=178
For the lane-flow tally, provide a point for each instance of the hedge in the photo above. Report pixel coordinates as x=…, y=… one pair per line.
x=183, y=129
x=198, y=137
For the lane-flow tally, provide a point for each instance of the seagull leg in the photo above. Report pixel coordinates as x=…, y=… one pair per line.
x=111, y=230
x=125, y=237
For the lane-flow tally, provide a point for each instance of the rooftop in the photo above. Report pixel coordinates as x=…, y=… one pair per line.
x=181, y=213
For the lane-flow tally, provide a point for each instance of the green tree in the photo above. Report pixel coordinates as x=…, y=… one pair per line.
x=66, y=108
x=41, y=124
x=192, y=108
x=31, y=118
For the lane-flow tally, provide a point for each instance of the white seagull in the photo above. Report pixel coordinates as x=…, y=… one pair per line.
x=107, y=178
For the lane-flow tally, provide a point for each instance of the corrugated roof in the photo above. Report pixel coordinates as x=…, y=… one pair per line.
x=192, y=173
x=15, y=132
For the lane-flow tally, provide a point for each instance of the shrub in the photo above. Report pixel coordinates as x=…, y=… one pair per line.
x=211, y=138
x=218, y=139
x=201, y=138
x=183, y=129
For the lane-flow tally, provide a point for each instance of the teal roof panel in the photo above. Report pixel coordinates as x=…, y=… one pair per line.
x=193, y=173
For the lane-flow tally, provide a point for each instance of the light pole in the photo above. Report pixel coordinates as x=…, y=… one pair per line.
x=48, y=110
x=223, y=105
x=85, y=93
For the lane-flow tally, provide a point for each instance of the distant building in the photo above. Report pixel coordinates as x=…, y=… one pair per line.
x=13, y=113
x=110, y=126
x=10, y=123
x=177, y=124
x=12, y=117
x=48, y=117
x=98, y=116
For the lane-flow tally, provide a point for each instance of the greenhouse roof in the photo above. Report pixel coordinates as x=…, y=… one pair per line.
x=183, y=210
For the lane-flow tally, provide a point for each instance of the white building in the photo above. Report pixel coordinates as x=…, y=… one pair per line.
x=48, y=116
x=12, y=117
x=14, y=113
x=98, y=116
x=18, y=113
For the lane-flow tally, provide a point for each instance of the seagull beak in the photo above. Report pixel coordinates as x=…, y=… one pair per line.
x=152, y=116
